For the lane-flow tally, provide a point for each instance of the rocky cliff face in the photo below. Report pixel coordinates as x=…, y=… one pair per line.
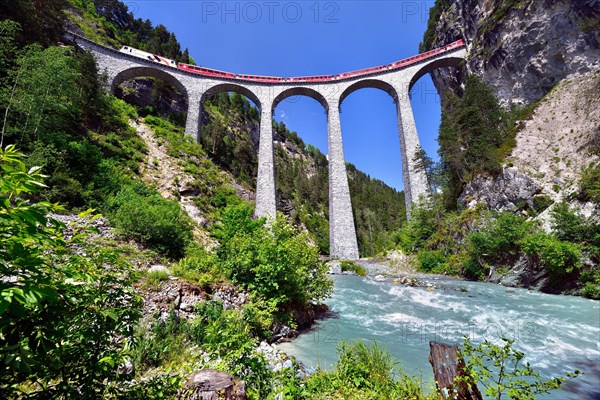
x=155, y=94
x=522, y=48
x=552, y=146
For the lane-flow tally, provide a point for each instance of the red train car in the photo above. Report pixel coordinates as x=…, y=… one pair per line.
x=321, y=78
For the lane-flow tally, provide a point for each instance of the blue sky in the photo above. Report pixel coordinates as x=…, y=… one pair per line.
x=292, y=38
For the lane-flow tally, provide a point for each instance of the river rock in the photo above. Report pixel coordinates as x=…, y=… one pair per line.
x=231, y=297
x=210, y=384
x=281, y=333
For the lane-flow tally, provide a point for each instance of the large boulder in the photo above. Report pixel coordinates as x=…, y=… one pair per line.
x=210, y=384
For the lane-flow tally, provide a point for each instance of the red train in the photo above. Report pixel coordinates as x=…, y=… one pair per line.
x=306, y=79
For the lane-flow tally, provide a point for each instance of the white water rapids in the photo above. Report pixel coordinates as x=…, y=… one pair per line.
x=558, y=334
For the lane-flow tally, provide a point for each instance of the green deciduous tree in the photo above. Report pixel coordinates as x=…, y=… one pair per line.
x=274, y=262
x=45, y=97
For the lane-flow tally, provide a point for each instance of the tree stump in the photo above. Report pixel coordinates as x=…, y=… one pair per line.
x=210, y=384
x=448, y=364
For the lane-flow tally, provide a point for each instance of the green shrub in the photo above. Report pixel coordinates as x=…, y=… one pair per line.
x=200, y=266
x=162, y=342
x=590, y=279
x=60, y=311
x=347, y=265
x=155, y=277
x=591, y=290
x=363, y=372
x=226, y=334
x=566, y=223
x=429, y=260
x=590, y=183
x=274, y=262
x=142, y=214
x=414, y=234
x=541, y=203
x=498, y=243
x=559, y=256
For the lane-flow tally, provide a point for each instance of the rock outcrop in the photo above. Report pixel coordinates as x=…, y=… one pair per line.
x=505, y=192
x=210, y=384
x=148, y=92
x=521, y=48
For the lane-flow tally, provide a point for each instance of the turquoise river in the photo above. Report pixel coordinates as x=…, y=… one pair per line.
x=557, y=333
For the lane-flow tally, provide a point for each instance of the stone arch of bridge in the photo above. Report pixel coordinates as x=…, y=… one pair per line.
x=301, y=91
x=369, y=84
x=227, y=88
x=446, y=62
x=138, y=72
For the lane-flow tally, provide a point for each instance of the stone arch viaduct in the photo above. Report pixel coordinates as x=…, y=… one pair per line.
x=397, y=82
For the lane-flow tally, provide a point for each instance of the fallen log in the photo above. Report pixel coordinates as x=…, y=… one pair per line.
x=448, y=364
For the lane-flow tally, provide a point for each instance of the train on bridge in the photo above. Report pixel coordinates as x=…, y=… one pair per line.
x=215, y=73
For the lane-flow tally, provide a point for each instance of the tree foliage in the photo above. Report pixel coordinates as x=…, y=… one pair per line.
x=472, y=129
x=144, y=215
x=61, y=311
x=273, y=262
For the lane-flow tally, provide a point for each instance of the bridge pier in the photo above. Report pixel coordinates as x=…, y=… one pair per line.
x=194, y=114
x=266, y=204
x=416, y=186
x=342, y=233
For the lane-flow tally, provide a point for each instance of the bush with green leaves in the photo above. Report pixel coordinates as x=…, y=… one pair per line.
x=431, y=260
x=142, y=214
x=590, y=183
x=503, y=371
x=415, y=233
x=61, y=311
x=199, y=266
x=591, y=283
x=225, y=335
x=497, y=243
x=560, y=257
x=272, y=261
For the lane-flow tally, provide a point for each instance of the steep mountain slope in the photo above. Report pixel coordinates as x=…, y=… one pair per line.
x=522, y=48
x=552, y=147
x=531, y=205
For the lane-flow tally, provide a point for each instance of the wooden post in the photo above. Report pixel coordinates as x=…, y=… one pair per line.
x=448, y=364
